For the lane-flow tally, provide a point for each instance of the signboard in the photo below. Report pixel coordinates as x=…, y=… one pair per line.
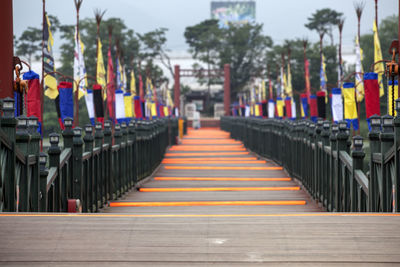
x=237, y=12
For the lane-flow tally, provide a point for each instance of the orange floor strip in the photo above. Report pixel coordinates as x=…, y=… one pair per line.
x=210, y=189
x=210, y=148
x=209, y=203
x=211, y=142
x=218, y=179
x=219, y=158
x=207, y=154
x=220, y=168
x=214, y=162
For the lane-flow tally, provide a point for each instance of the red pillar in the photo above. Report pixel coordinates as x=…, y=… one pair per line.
x=6, y=49
x=177, y=88
x=227, y=89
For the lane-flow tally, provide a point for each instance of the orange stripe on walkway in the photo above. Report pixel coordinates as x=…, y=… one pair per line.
x=207, y=154
x=208, y=189
x=219, y=158
x=219, y=168
x=218, y=179
x=204, y=148
x=209, y=203
x=214, y=162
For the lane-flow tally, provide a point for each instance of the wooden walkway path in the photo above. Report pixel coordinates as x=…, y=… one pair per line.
x=211, y=202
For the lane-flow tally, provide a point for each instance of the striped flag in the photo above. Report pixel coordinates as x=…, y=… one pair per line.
x=359, y=84
x=79, y=66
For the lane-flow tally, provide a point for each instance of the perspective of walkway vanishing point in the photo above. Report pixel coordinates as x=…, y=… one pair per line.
x=210, y=202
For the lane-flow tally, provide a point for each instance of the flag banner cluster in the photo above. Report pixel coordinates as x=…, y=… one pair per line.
x=50, y=80
x=33, y=106
x=337, y=105
x=350, y=109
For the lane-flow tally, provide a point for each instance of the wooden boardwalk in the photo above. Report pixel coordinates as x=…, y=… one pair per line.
x=211, y=202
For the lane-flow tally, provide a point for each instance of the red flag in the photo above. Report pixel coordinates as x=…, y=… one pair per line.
x=288, y=106
x=372, y=106
x=110, y=87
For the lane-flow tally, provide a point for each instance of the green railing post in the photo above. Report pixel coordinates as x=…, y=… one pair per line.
x=358, y=158
x=387, y=140
x=68, y=133
x=133, y=155
x=98, y=135
x=396, y=181
x=43, y=182
x=23, y=180
x=375, y=147
x=117, y=161
x=88, y=138
x=54, y=161
x=332, y=174
x=34, y=149
x=91, y=176
x=325, y=167
x=341, y=145
x=77, y=186
x=124, y=158
x=109, y=182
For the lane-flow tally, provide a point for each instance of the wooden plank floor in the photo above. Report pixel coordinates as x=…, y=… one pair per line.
x=215, y=230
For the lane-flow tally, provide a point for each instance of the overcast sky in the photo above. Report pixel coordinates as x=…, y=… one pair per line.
x=282, y=19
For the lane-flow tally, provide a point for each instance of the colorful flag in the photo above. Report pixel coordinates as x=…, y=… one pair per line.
x=358, y=76
x=337, y=105
x=119, y=106
x=33, y=106
x=379, y=67
x=110, y=87
x=321, y=103
x=304, y=105
x=98, y=102
x=50, y=80
x=313, y=108
x=350, y=109
x=79, y=67
x=279, y=106
x=90, y=105
x=101, y=72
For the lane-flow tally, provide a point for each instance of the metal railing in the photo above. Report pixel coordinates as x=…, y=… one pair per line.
x=86, y=172
x=328, y=165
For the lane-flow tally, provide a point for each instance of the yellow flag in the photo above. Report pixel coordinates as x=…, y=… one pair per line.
x=350, y=109
x=50, y=80
x=101, y=71
x=359, y=82
x=378, y=68
x=288, y=87
x=279, y=106
x=264, y=90
x=128, y=103
x=133, y=83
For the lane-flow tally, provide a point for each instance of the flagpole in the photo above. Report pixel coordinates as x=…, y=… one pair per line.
x=376, y=13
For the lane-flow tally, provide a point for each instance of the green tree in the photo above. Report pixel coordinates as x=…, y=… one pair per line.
x=323, y=21
x=241, y=46
x=29, y=43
